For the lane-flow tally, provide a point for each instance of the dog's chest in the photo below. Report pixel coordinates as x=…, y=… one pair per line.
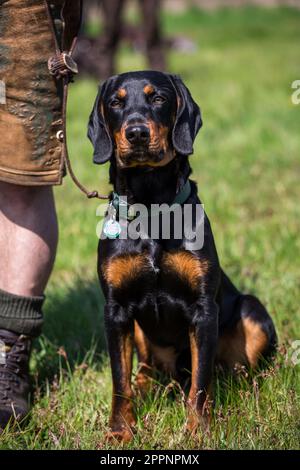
x=178, y=273
x=157, y=291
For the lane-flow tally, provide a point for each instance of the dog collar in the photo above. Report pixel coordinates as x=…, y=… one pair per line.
x=126, y=211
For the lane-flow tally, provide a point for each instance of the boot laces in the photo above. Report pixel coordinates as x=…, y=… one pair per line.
x=13, y=365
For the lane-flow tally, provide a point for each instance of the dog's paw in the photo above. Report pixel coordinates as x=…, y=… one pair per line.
x=122, y=426
x=121, y=435
x=143, y=384
x=197, y=423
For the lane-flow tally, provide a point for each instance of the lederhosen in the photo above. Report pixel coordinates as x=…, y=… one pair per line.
x=30, y=98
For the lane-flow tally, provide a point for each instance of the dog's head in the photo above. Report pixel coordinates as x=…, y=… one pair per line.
x=144, y=118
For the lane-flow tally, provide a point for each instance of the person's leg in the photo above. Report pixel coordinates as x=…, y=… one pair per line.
x=28, y=240
x=152, y=34
x=30, y=162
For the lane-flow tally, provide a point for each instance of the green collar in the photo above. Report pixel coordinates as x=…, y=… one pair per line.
x=184, y=194
x=180, y=198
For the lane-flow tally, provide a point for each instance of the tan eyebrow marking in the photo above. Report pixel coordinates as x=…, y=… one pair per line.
x=148, y=89
x=121, y=93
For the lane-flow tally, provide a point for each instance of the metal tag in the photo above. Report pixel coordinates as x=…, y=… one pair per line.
x=112, y=228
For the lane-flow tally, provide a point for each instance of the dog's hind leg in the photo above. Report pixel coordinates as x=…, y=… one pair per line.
x=252, y=338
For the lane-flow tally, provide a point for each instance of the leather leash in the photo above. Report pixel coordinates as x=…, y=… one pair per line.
x=63, y=67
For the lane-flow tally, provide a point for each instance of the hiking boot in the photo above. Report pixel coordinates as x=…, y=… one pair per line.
x=14, y=377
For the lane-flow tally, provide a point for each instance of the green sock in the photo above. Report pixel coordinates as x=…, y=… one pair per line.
x=23, y=315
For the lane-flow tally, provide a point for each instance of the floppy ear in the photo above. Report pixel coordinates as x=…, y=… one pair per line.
x=98, y=132
x=188, y=118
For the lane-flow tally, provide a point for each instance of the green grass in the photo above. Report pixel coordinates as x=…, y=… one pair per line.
x=247, y=166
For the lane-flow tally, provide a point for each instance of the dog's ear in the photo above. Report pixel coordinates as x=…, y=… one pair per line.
x=98, y=132
x=188, y=118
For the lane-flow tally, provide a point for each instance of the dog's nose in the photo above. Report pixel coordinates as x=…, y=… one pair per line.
x=138, y=134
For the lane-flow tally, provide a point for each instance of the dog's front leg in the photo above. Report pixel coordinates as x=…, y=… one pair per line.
x=203, y=344
x=119, y=334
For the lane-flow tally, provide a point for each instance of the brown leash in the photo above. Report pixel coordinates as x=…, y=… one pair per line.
x=63, y=67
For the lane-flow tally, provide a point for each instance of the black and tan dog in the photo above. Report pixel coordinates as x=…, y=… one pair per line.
x=176, y=305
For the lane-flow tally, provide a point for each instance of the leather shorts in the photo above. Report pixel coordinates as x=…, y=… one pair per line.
x=30, y=98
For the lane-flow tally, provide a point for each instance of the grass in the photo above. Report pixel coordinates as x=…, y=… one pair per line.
x=246, y=162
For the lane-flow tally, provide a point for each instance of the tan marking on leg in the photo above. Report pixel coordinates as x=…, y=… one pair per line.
x=195, y=366
x=122, y=419
x=197, y=418
x=125, y=268
x=141, y=343
x=244, y=345
x=187, y=266
x=231, y=347
x=144, y=374
x=256, y=341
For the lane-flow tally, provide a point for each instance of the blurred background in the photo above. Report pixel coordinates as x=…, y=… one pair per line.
x=239, y=59
x=107, y=24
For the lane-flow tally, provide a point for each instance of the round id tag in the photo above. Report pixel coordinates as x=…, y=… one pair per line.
x=112, y=229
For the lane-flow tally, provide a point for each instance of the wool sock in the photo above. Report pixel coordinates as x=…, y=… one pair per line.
x=23, y=315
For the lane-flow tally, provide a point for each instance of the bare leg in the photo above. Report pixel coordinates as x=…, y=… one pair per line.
x=28, y=238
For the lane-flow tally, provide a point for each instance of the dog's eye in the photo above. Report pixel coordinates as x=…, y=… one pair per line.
x=116, y=103
x=158, y=99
